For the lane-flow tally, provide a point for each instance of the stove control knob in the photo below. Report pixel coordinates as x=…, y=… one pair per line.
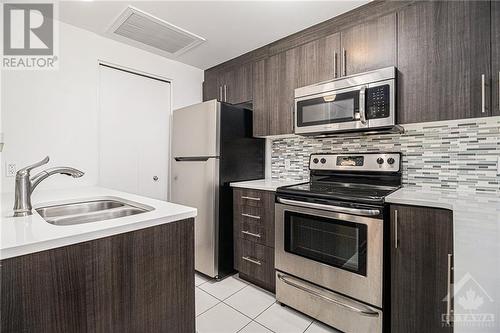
x=323, y=160
x=380, y=160
x=315, y=161
x=390, y=160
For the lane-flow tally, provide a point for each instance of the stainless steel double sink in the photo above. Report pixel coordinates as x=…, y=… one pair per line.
x=91, y=210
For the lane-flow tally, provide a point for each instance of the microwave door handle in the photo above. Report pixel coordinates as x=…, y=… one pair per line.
x=362, y=105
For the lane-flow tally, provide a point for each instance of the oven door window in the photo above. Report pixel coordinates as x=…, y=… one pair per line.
x=329, y=241
x=334, y=108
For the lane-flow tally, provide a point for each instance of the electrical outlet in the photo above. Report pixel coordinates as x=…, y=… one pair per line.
x=287, y=164
x=10, y=170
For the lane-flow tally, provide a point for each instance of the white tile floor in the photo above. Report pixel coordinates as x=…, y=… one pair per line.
x=232, y=305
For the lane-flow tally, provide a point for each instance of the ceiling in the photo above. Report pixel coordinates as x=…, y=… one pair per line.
x=231, y=28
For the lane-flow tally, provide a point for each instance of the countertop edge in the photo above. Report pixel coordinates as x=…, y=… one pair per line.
x=265, y=184
x=418, y=202
x=253, y=187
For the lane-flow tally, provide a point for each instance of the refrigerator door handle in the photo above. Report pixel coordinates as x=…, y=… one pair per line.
x=194, y=159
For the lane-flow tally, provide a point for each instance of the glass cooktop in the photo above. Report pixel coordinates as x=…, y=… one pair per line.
x=343, y=191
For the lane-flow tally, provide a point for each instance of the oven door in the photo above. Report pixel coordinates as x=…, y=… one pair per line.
x=339, y=251
x=338, y=110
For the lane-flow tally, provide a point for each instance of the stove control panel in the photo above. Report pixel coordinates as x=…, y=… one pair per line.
x=380, y=162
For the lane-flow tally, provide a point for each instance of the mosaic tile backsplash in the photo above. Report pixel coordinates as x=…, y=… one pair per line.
x=459, y=154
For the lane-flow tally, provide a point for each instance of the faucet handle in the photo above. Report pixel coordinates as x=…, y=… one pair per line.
x=26, y=170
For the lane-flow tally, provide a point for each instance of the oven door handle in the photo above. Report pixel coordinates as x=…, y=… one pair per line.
x=366, y=311
x=338, y=209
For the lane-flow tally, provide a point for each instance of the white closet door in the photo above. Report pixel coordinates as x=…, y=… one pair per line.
x=133, y=133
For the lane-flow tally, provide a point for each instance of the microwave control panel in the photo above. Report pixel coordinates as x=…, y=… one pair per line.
x=377, y=102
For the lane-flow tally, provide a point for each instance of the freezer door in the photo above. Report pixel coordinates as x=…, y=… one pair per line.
x=195, y=184
x=195, y=130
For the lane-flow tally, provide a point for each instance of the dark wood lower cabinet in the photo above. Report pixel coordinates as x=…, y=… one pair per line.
x=253, y=226
x=421, y=243
x=141, y=281
x=256, y=264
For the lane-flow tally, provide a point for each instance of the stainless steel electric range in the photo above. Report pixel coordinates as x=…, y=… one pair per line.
x=330, y=239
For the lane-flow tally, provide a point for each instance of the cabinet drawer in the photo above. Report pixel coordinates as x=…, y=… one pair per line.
x=252, y=198
x=254, y=224
x=256, y=263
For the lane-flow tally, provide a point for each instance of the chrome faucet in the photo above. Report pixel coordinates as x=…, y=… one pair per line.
x=25, y=185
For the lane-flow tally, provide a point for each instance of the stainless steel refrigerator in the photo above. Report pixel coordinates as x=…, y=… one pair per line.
x=212, y=145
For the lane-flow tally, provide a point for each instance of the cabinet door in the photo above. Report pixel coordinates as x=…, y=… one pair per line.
x=443, y=51
x=237, y=84
x=280, y=84
x=495, y=44
x=210, y=86
x=318, y=61
x=420, y=268
x=369, y=46
x=259, y=104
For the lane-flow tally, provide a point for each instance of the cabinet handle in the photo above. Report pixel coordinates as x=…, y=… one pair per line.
x=220, y=93
x=250, y=198
x=225, y=93
x=250, y=234
x=250, y=216
x=335, y=73
x=449, y=289
x=396, y=229
x=344, y=58
x=483, y=92
x=253, y=261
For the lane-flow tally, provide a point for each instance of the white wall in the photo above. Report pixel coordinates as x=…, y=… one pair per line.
x=55, y=113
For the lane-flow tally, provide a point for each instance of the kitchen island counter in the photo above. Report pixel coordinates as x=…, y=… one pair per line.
x=30, y=234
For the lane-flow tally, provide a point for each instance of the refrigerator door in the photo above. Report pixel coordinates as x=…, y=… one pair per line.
x=195, y=183
x=195, y=130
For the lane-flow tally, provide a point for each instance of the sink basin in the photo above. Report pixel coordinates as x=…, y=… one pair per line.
x=90, y=211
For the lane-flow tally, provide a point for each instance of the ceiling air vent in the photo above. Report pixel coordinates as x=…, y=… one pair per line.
x=152, y=32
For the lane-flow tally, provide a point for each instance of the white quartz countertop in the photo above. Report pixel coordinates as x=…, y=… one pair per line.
x=265, y=184
x=476, y=237
x=24, y=235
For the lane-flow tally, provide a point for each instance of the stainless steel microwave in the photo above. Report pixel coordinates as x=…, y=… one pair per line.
x=358, y=102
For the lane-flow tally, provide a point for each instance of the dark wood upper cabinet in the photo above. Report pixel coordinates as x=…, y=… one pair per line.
x=259, y=102
x=210, y=86
x=370, y=45
x=495, y=61
x=233, y=85
x=238, y=84
x=318, y=60
x=280, y=83
x=273, y=87
x=421, y=264
x=443, y=53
